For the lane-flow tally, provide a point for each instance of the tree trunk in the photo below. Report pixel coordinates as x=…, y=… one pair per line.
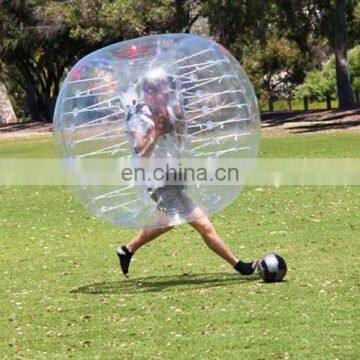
x=271, y=104
x=306, y=103
x=34, y=105
x=328, y=102
x=7, y=114
x=345, y=94
x=179, y=21
x=289, y=104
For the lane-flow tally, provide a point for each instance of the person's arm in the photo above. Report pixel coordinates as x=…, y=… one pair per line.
x=145, y=143
x=180, y=122
x=178, y=111
x=143, y=131
x=163, y=122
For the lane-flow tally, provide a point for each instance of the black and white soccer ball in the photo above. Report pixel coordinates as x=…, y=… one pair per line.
x=272, y=268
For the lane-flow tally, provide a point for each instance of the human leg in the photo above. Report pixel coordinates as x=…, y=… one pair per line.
x=212, y=239
x=144, y=236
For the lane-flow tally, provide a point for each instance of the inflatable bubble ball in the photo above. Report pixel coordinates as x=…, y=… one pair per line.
x=171, y=96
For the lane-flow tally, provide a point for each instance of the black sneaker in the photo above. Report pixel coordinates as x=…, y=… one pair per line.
x=124, y=257
x=246, y=268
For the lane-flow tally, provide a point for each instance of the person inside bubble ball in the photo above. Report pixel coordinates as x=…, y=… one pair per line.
x=154, y=126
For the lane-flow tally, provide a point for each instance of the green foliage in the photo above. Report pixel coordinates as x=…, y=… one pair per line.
x=275, y=67
x=322, y=83
x=319, y=84
x=35, y=51
x=40, y=40
x=354, y=23
x=278, y=41
x=101, y=22
x=354, y=63
x=257, y=35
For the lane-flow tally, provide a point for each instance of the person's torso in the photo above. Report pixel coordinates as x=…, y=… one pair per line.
x=140, y=119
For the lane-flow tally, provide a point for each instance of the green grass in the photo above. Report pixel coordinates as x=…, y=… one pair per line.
x=27, y=147
x=331, y=145
x=63, y=297
x=334, y=145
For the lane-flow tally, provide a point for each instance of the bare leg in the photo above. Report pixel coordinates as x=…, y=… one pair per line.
x=212, y=239
x=144, y=236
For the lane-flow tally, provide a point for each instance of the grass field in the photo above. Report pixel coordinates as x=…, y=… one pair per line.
x=62, y=295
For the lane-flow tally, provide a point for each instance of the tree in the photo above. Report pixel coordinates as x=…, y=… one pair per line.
x=345, y=94
x=278, y=41
x=322, y=84
x=237, y=23
x=316, y=19
x=35, y=55
x=40, y=40
x=7, y=114
x=354, y=63
x=276, y=55
x=276, y=68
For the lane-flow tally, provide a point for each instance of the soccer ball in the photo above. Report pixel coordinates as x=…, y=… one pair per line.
x=272, y=268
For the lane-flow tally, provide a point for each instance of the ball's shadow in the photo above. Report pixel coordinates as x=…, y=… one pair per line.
x=170, y=283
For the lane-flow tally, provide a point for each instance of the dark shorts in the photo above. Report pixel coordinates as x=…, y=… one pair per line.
x=172, y=200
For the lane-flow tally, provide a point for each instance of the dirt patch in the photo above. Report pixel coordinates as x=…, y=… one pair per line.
x=273, y=124
x=9, y=131
x=299, y=122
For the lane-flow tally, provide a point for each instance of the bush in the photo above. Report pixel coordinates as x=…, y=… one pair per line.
x=321, y=84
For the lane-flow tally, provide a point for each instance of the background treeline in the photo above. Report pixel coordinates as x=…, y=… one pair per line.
x=288, y=47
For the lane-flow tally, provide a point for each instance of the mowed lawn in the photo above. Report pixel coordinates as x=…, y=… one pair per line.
x=62, y=294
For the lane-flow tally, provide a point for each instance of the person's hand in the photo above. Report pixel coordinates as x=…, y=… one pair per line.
x=163, y=125
x=159, y=128
x=168, y=127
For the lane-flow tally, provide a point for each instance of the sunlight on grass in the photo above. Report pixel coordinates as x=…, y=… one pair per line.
x=63, y=295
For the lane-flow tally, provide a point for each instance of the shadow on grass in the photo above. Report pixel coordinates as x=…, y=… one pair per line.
x=170, y=283
x=334, y=119
x=329, y=126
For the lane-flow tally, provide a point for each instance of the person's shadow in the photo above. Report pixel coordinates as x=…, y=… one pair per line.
x=168, y=282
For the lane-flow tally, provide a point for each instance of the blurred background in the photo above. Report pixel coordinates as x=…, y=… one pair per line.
x=301, y=55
